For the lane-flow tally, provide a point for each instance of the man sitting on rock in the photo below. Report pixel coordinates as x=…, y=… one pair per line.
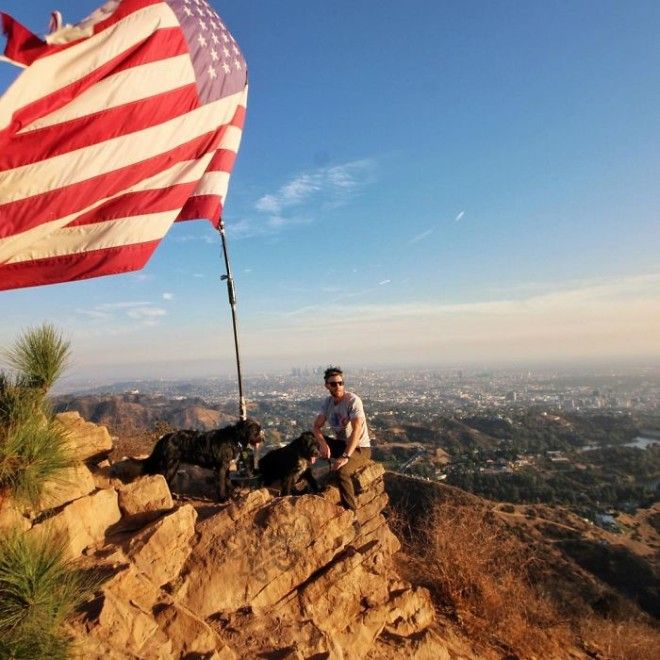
x=351, y=448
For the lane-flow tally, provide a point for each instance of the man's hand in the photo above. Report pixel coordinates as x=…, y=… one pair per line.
x=339, y=463
x=324, y=449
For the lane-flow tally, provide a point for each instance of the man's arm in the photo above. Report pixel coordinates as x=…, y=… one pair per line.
x=356, y=432
x=352, y=443
x=324, y=448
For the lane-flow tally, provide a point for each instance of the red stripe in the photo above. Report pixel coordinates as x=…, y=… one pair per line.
x=23, y=214
x=208, y=207
x=148, y=201
x=223, y=161
x=125, y=8
x=22, y=46
x=95, y=263
x=160, y=45
x=57, y=139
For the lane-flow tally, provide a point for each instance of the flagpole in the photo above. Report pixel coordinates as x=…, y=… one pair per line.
x=231, y=291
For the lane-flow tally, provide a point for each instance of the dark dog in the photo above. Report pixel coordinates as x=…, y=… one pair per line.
x=288, y=464
x=208, y=449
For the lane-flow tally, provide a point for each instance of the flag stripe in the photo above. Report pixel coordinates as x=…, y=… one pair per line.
x=26, y=213
x=122, y=151
x=79, y=266
x=50, y=82
x=151, y=201
x=158, y=69
x=188, y=172
x=17, y=217
x=163, y=43
x=112, y=233
x=223, y=161
x=77, y=134
x=202, y=206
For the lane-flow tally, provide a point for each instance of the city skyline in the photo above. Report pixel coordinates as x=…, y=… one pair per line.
x=428, y=185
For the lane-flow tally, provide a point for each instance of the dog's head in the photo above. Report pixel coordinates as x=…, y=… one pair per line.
x=308, y=446
x=250, y=432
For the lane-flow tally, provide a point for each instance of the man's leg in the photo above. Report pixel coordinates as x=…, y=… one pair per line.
x=345, y=474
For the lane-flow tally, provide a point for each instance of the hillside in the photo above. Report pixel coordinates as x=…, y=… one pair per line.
x=296, y=577
x=136, y=420
x=573, y=575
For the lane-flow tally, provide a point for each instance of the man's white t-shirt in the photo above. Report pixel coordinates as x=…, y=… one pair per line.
x=339, y=417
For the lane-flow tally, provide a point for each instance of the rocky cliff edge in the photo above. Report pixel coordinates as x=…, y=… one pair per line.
x=261, y=576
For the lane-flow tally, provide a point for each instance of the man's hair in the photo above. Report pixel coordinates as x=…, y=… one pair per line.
x=332, y=371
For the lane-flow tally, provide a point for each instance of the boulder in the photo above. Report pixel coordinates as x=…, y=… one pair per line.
x=409, y=612
x=12, y=516
x=83, y=522
x=144, y=499
x=160, y=549
x=66, y=486
x=257, y=554
x=370, y=473
x=189, y=635
x=86, y=440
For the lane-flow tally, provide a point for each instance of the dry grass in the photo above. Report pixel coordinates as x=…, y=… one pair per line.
x=621, y=640
x=480, y=574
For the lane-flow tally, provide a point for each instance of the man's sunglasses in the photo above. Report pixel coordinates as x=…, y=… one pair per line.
x=335, y=383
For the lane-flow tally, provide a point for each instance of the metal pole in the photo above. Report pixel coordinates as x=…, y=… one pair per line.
x=231, y=291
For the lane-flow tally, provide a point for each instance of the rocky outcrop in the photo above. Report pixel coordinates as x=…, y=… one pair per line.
x=261, y=576
x=82, y=523
x=86, y=440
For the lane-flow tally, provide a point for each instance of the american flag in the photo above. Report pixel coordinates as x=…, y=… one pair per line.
x=118, y=127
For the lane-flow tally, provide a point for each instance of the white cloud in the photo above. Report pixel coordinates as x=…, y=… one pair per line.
x=382, y=282
x=207, y=238
x=145, y=312
x=459, y=217
x=296, y=201
x=323, y=186
x=421, y=236
x=588, y=321
x=95, y=314
x=268, y=204
x=114, y=317
x=121, y=305
x=168, y=296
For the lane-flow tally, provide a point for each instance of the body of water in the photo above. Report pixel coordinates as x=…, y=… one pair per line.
x=640, y=442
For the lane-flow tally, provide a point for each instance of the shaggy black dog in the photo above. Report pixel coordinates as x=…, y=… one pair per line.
x=208, y=449
x=288, y=464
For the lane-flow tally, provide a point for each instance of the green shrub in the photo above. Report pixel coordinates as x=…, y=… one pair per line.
x=39, y=590
x=31, y=454
x=41, y=355
x=19, y=404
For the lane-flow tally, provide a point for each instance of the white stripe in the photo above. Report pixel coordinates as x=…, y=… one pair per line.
x=53, y=72
x=134, y=84
x=102, y=235
x=213, y=183
x=183, y=172
x=110, y=155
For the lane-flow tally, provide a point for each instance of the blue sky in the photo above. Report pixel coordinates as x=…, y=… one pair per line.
x=419, y=183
